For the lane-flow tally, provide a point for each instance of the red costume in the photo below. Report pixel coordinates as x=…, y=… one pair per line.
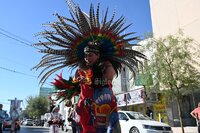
x=97, y=106
x=85, y=93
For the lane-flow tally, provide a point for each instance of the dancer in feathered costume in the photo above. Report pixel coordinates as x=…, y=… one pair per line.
x=98, y=50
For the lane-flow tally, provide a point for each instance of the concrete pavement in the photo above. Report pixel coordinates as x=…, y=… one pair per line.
x=186, y=129
x=69, y=131
x=175, y=130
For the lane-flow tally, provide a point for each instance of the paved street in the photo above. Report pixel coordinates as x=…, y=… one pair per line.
x=69, y=131
x=30, y=129
x=175, y=130
x=33, y=129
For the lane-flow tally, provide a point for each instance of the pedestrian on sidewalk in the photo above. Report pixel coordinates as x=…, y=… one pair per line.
x=74, y=119
x=196, y=114
x=149, y=112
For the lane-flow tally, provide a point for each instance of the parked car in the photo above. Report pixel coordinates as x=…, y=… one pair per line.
x=136, y=122
x=28, y=122
x=7, y=124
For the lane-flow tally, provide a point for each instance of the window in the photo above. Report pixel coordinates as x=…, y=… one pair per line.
x=122, y=116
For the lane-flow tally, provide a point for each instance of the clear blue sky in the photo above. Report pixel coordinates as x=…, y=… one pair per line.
x=24, y=18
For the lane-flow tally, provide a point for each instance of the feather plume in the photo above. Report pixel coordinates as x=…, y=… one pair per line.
x=65, y=42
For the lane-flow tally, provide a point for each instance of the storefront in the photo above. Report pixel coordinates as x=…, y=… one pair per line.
x=132, y=100
x=160, y=113
x=135, y=100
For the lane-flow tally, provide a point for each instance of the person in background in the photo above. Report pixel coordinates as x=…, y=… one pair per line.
x=54, y=120
x=69, y=119
x=6, y=115
x=14, y=115
x=2, y=116
x=74, y=119
x=62, y=122
x=149, y=112
x=196, y=114
x=69, y=111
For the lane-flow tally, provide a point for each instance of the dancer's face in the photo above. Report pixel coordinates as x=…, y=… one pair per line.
x=91, y=58
x=57, y=110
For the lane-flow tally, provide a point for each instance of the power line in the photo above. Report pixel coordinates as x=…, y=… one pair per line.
x=18, y=39
x=15, y=36
x=13, y=61
x=21, y=40
x=21, y=73
x=27, y=44
x=16, y=72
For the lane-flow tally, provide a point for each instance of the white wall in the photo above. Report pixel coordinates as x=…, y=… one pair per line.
x=170, y=15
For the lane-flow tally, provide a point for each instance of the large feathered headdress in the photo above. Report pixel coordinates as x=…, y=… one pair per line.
x=65, y=43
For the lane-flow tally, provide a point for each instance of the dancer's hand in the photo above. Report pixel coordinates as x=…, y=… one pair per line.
x=82, y=80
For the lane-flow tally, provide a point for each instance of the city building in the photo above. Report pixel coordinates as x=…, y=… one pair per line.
x=168, y=16
x=45, y=91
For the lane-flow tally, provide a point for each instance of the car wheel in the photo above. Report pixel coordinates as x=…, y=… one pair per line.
x=134, y=130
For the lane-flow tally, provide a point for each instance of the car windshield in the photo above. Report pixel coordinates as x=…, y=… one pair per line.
x=137, y=116
x=7, y=118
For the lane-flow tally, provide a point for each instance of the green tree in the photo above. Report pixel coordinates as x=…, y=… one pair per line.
x=172, y=67
x=36, y=106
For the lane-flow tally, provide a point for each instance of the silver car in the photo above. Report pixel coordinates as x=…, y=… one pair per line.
x=136, y=122
x=28, y=122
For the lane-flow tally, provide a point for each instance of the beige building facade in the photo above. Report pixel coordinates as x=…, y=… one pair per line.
x=168, y=16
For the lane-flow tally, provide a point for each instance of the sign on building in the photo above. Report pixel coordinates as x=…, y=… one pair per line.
x=133, y=97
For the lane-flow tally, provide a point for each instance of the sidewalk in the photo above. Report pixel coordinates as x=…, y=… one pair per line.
x=186, y=129
x=175, y=130
x=69, y=131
